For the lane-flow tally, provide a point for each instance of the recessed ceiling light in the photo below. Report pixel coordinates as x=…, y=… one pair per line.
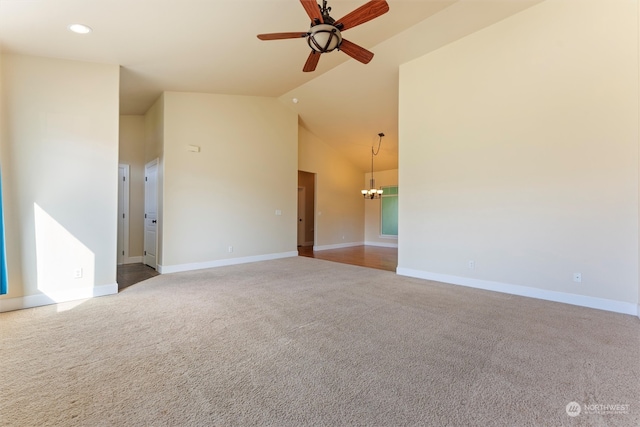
x=80, y=28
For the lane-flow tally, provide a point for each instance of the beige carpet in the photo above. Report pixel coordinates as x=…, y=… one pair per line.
x=302, y=341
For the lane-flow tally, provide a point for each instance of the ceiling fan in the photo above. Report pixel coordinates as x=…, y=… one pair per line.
x=325, y=33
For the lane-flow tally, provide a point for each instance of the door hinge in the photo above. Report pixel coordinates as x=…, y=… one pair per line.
x=145, y=252
x=145, y=178
x=145, y=215
x=124, y=179
x=122, y=215
x=122, y=253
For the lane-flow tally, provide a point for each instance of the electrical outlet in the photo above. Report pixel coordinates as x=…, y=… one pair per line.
x=577, y=277
x=471, y=264
x=230, y=249
x=77, y=273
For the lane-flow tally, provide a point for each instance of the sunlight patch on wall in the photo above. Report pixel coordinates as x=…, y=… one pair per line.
x=65, y=266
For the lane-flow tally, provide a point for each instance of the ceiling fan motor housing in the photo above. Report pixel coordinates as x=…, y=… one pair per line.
x=324, y=38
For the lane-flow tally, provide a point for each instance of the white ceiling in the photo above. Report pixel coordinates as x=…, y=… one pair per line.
x=211, y=46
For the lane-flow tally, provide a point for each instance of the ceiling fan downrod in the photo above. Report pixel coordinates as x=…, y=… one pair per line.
x=324, y=11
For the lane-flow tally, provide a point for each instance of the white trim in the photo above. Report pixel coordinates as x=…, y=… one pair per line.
x=302, y=217
x=525, y=291
x=155, y=162
x=165, y=269
x=125, y=210
x=133, y=260
x=638, y=310
x=30, y=301
x=381, y=244
x=337, y=246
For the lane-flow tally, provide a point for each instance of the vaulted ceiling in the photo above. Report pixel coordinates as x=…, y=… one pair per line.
x=211, y=46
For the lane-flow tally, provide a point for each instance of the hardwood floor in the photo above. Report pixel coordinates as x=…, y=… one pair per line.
x=364, y=256
x=130, y=274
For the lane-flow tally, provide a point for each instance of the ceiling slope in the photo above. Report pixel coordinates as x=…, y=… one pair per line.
x=211, y=46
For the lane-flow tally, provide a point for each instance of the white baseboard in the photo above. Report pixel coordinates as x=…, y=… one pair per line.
x=525, y=291
x=165, y=269
x=131, y=260
x=381, y=244
x=337, y=246
x=67, y=295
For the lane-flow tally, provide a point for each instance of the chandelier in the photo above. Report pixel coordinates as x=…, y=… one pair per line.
x=372, y=192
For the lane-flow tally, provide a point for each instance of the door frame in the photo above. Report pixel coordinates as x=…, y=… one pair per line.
x=148, y=165
x=123, y=215
x=302, y=206
x=309, y=183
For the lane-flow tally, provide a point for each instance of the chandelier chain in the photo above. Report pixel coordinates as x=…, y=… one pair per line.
x=372, y=192
x=375, y=153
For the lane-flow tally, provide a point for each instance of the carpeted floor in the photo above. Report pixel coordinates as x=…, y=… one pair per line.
x=302, y=341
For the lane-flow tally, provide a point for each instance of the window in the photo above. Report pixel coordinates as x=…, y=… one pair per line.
x=389, y=211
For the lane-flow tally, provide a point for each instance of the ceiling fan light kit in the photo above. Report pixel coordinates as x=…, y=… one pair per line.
x=325, y=34
x=324, y=38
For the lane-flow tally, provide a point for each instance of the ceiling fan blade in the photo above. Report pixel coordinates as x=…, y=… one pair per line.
x=312, y=10
x=280, y=36
x=312, y=61
x=364, y=13
x=356, y=52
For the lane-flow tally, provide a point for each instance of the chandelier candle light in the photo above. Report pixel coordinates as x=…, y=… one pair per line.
x=372, y=192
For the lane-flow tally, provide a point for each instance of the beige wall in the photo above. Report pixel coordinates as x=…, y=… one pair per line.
x=228, y=193
x=154, y=131
x=60, y=169
x=519, y=150
x=339, y=205
x=132, y=153
x=372, y=209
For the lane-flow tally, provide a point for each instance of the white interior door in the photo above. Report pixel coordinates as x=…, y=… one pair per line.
x=151, y=213
x=123, y=213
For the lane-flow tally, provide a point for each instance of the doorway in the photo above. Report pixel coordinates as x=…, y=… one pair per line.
x=123, y=213
x=151, y=213
x=306, y=208
x=302, y=220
